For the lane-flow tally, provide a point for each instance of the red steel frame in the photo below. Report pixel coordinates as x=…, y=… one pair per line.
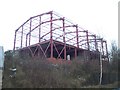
x=55, y=29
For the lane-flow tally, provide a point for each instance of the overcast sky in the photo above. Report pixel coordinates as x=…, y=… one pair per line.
x=97, y=16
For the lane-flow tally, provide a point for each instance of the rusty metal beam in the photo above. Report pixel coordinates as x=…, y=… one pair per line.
x=71, y=35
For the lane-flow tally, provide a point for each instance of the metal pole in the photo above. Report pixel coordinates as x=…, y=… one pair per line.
x=100, y=68
x=14, y=49
x=39, y=34
x=26, y=39
x=51, y=40
x=64, y=39
x=75, y=53
x=21, y=37
x=40, y=29
x=96, y=46
x=30, y=30
x=106, y=50
x=14, y=41
x=77, y=36
x=102, y=47
x=87, y=40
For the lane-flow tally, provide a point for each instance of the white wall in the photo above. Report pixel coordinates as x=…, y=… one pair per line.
x=1, y=56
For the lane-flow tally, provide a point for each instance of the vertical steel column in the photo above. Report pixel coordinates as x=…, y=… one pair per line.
x=64, y=38
x=75, y=52
x=26, y=39
x=102, y=46
x=96, y=46
x=87, y=40
x=21, y=36
x=39, y=34
x=13, y=63
x=77, y=41
x=106, y=50
x=77, y=36
x=51, y=40
x=39, y=29
x=30, y=30
x=14, y=41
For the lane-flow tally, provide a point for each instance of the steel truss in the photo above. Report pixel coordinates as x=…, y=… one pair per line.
x=54, y=34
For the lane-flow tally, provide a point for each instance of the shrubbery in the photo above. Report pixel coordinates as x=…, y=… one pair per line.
x=40, y=73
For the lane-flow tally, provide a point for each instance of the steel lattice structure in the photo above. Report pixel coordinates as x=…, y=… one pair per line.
x=55, y=36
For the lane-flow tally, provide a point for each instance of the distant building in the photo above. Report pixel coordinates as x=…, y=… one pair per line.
x=1, y=57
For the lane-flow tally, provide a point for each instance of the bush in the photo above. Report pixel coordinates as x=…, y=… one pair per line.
x=40, y=73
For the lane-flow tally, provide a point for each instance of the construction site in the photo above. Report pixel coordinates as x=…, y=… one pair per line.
x=50, y=35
